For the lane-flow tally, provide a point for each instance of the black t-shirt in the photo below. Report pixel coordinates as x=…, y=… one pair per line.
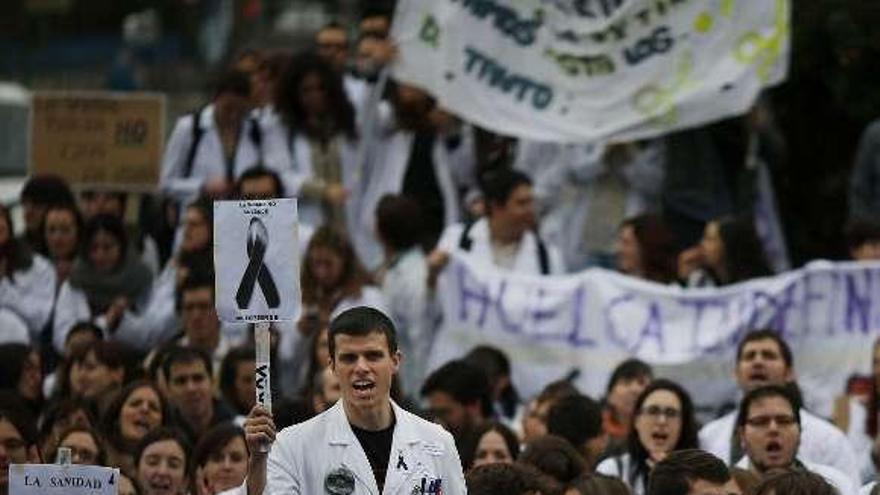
x=377, y=446
x=421, y=184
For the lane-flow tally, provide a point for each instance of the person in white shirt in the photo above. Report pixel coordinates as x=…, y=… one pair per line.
x=212, y=146
x=763, y=358
x=108, y=284
x=27, y=281
x=507, y=237
x=365, y=443
x=318, y=125
x=403, y=279
x=664, y=422
x=769, y=429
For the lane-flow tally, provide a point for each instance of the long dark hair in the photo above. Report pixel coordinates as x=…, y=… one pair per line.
x=109, y=224
x=110, y=419
x=77, y=220
x=12, y=359
x=687, y=439
x=287, y=99
x=656, y=246
x=353, y=278
x=744, y=256
x=17, y=255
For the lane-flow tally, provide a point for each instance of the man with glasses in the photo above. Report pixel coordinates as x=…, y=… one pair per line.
x=769, y=430
x=763, y=358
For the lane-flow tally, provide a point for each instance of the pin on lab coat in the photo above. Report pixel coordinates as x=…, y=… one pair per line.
x=304, y=454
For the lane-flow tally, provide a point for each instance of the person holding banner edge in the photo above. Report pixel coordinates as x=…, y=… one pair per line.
x=507, y=238
x=363, y=444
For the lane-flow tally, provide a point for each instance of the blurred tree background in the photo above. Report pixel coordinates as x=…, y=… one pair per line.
x=832, y=93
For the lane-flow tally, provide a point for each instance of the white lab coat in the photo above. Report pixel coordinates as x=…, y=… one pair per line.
x=866, y=490
x=821, y=442
x=843, y=483
x=860, y=439
x=564, y=177
x=406, y=293
x=209, y=161
x=158, y=321
x=387, y=170
x=301, y=170
x=304, y=454
x=30, y=294
x=619, y=467
x=527, y=259
x=72, y=307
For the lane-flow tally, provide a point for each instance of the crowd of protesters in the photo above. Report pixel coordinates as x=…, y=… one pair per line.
x=111, y=344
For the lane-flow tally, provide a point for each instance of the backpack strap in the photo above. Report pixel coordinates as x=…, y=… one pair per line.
x=256, y=136
x=465, y=242
x=194, y=142
x=543, y=257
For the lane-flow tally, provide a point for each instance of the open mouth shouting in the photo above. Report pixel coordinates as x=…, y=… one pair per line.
x=160, y=485
x=758, y=376
x=776, y=455
x=662, y=440
x=142, y=426
x=363, y=388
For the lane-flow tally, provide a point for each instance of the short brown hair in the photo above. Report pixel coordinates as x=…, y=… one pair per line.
x=795, y=482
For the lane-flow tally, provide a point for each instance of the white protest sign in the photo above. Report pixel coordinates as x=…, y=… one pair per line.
x=54, y=479
x=583, y=70
x=828, y=312
x=256, y=259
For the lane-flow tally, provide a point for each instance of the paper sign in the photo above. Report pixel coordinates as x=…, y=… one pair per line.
x=256, y=258
x=53, y=479
x=98, y=139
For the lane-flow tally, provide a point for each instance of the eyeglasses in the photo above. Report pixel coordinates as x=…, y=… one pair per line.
x=655, y=412
x=781, y=421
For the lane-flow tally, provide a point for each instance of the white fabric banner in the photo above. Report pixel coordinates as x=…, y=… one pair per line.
x=589, y=322
x=583, y=70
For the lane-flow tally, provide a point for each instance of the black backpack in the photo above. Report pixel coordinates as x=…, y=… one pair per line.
x=465, y=243
x=255, y=134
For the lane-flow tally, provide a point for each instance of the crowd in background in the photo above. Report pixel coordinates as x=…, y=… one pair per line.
x=112, y=345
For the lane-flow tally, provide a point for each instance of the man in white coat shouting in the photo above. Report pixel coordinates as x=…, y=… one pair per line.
x=365, y=444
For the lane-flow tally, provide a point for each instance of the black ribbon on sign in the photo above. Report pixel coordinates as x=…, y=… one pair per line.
x=257, y=271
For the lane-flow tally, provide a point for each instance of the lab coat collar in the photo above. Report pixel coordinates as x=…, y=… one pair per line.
x=342, y=434
x=403, y=461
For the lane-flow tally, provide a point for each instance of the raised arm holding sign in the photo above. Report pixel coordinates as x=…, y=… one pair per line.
x=328, y=454
x=256, y=262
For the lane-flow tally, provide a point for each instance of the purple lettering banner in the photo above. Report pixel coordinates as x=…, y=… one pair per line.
x=586, y=323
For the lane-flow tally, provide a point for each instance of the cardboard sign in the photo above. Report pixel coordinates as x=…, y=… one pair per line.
x=256, y=258
x=54, y=479
x=99, y=140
